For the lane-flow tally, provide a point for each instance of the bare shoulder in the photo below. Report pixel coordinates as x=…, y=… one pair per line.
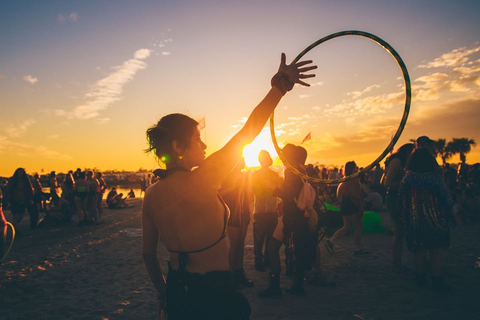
x=150, y=195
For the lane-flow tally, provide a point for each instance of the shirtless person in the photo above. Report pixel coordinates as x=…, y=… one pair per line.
x=186, y=213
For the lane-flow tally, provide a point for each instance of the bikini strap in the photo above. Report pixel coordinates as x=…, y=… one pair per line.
x=183, y=255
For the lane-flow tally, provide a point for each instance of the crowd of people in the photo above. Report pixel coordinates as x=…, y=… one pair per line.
x=197, y=202
x=76, y=198
x=186, y=210
x=422, y=198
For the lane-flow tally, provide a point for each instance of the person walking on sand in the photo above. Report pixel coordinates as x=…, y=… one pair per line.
x=185, y=211
x=351, y=200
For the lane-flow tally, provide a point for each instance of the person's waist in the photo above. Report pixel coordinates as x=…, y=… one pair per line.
x=211, y=280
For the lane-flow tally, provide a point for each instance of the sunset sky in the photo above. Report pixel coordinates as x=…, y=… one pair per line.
x=81, y=81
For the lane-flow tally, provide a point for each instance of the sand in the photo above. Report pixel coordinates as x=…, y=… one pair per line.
x=97, y=272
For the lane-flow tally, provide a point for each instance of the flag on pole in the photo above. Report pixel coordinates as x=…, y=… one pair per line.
x=308, y=137
x=202, y=124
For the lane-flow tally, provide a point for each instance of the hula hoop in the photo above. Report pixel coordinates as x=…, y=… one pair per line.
x=5, y=241
x=408, y=99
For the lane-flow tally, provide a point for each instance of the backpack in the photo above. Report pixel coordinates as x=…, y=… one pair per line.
x=306, y=197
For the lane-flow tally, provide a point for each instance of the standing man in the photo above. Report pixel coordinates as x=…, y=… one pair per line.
x=92, y=193
x=102, y=186
x=264, y=181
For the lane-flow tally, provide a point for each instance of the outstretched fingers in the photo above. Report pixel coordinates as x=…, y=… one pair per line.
x=302, y=63
x=307, y=69
x=305, y=76
x=304, y=83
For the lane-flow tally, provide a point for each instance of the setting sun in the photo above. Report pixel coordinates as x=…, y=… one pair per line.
x=262, y=142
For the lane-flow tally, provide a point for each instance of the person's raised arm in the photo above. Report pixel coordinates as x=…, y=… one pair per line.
x=222, y=162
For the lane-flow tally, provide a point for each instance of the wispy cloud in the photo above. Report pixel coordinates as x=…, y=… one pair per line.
x=358, y=94
x=165, y=53
x=305, y=116
x=454, y=58
x=365, y=106
x=30, y=79
x=472, y=67
x=53, y=136
x=427, y=87
x=19, y=130
x=108, y=90
x=24, y=150
x=71, y=17
x=2, y=77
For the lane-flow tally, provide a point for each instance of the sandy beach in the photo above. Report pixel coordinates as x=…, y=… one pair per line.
x=97, y=272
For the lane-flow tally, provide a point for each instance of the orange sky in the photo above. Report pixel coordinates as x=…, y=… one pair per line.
x=81, y=82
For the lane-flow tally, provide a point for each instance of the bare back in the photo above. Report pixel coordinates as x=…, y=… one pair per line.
x=188, y=216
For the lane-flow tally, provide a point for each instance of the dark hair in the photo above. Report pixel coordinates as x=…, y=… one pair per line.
x=295, y=154
x=17, y=175
x=349, y=166
x=172, y=127
x=68, y=180
x=421, y=161
x=402, y=154
x=265, y=159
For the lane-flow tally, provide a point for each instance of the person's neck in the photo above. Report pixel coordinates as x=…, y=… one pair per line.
x=177, y=167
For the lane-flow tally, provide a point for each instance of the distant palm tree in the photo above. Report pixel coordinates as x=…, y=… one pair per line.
x=443, y=150
x=461, y=146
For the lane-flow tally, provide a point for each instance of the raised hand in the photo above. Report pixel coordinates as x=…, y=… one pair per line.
x=295, y=72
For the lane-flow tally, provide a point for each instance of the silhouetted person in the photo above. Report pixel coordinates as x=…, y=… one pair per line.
x=68, y=194
x=81, y=195
x=102, y=186
x=93, y=190
x=184, y=210
x=263, y=182
x=425, y=210
x=21, y=198
x=450, y=176
x=394, y=172
x=236, y=194
x=54, y=189
x=115, y=200
x=349, y=194
x=294, y=223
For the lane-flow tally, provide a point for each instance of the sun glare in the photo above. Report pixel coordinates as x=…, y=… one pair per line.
x=262, y=142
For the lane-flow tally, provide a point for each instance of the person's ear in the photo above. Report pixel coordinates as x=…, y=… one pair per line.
x=177, y=147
